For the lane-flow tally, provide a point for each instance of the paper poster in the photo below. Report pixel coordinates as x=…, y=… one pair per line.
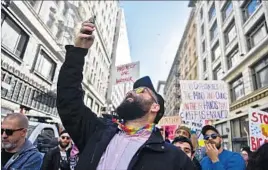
x=204, y=100
x=127, y=73
x=258, y=128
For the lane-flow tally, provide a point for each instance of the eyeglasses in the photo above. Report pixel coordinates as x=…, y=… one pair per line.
x=65, y=137
x=213, y=136
x=142, y=90
x=9, y=132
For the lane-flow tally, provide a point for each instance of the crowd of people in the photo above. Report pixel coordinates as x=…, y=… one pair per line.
x=131, y=143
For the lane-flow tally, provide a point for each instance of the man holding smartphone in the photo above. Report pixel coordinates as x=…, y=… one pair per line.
x=111, y=144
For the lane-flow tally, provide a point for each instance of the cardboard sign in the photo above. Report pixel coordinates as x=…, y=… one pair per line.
x=258, y=128
x=127, y=73
x=170, y=120
x=203, y=100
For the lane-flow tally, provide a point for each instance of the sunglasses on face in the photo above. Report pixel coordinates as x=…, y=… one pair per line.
x=213, y=136
x=142, y=90
x=9, y=132
x=65, y=137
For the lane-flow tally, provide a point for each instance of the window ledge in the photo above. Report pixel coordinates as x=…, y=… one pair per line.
x=42, y=77
x=252, y=16
x=8, y=52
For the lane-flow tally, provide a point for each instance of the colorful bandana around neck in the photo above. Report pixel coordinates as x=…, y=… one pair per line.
x=133, y=131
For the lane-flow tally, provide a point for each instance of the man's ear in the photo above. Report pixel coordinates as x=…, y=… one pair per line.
x=155, y=107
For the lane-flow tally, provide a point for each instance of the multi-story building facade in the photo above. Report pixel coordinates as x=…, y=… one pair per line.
x=232, y=41
x=33, y=37
x=121, y=55
x=160, y=87
x=184, y=67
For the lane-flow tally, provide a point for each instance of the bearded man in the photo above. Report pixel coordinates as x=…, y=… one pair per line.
x=58, y=158
x=217, y=157
x=17, y=151
x=133, y=144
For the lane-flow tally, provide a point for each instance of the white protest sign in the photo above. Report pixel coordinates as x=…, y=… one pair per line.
x=127, y=73
x=258, y=128
x=203, y=100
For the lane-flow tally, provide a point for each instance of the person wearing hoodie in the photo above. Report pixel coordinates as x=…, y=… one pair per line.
x=17, y=151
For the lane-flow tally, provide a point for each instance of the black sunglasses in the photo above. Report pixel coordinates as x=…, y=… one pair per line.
x=213, y=136
x=9, y=132
x=65, y=137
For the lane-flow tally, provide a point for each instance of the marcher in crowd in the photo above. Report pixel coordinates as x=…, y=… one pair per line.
x=108, y=144
x=218, y=158
x=165, y=135
x=58, y=158
x=185, y=145
x=17, y=151
x=74, y=157
x=184, y=131
x=259, y=159
x=246, y=153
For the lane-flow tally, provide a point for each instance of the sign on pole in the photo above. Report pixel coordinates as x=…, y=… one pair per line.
x=203, y=100
x=258, y=128
x=127, y=73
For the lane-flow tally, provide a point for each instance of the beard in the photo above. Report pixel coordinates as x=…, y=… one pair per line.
x=218, y=145
x=135, y=109
x=63, y=145
x=9, y=145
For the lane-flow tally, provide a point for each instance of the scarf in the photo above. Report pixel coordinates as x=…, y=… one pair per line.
x=133, y=130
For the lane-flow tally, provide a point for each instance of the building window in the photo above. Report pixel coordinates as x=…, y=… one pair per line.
x=257, y=34
x=212, y=12
x=216, y=51
x=45, y=66
x=240, y=131
x=237, y=88
x=13, y=38
x=230, y=33
x=202, y=30
x=217, y=73
x=227, y=10
x=260, y=73
x=233, y=58
x=214, y=31
x=250, y=8
x=203, y=46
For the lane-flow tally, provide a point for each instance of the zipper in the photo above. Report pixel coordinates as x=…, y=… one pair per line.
x=92, y=159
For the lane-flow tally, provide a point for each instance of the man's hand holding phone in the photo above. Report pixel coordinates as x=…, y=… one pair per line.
x=85, y=37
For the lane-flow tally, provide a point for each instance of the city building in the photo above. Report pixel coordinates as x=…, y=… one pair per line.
x=184, y=67
x=34, y=34
x=120, y=55
x=160, y=87
x=33, y=37
x=232, y=40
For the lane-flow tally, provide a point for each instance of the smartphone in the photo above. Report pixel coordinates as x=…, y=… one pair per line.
x=91, y=20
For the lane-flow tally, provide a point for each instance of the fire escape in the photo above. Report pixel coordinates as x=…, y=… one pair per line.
x=177, y=87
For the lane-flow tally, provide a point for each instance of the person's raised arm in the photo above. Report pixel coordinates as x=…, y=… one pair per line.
x=78, y=120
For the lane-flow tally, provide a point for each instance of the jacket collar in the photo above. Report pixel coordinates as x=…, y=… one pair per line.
x=156, y=142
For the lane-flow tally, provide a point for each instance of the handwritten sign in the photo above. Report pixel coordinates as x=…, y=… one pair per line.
x=170, y=120
x=204, y=100
x=258, y=128
x=127, y=73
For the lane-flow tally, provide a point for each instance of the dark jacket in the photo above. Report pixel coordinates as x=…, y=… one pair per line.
x=28, y=158
x=52, y=159
x=92, y=134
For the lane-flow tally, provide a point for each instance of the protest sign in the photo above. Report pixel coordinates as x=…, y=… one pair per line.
x=127, y=73
x=258, y=128
x=203, y=100
x=170, y=124
x=170, y=120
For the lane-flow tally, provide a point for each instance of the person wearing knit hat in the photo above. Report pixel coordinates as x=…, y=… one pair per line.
x=183, y=131
x=59, y=157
